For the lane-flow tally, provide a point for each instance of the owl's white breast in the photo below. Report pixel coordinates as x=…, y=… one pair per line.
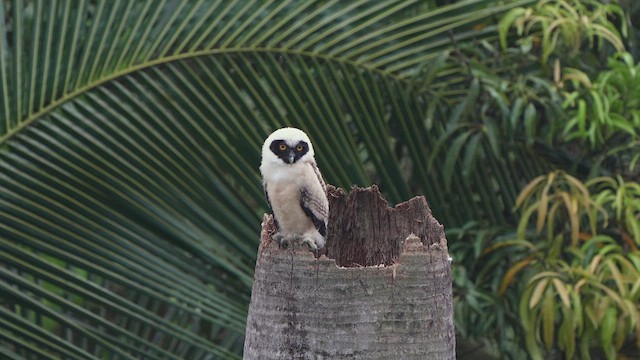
x=283, y=184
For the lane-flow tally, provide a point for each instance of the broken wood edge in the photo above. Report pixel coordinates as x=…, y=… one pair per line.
x=411, y=246
x=372, y=249
x=364, y=229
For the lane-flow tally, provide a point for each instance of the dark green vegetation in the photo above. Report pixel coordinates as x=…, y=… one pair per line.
x=130, y=136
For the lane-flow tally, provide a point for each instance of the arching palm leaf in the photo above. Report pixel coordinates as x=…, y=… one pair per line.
x=129, y=193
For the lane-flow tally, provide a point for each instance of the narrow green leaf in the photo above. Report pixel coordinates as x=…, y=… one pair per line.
x=530, y=123
x=453, y=155
x=511, y=274
x=526, y=318
x=471, y=155
x=608, y=329
x=506, y=22
x=548, y=320
x=516, y=114
x=527, y=191
x=491, y=130
x=5, y=124
x=538, y=292
x=563, y=291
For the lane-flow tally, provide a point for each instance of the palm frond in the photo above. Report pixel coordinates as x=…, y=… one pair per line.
x=129, y=194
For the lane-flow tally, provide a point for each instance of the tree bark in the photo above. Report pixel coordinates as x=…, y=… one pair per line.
x=381, y=290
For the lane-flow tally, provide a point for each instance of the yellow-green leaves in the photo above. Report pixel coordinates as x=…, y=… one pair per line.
x=562, y=26
x=583, y=272
x=559, y=201
x=583, y=299
x=621, y=198
x=602, y=109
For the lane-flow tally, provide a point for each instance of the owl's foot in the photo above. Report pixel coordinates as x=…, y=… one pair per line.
x=314, y=240
x=284, y=240
x=310, y=243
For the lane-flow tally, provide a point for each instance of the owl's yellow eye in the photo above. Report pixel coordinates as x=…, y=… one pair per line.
x=282, y=147
x=299, y=148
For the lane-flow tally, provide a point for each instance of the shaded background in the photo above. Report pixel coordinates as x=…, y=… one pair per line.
x=130, y=134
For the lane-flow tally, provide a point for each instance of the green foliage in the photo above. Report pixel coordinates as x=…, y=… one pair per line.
x=481, y=310
x=590, y=300
x=564, y=26
x=516, y=102
x=130, y=137
x=631, y=11
x=577, y=113
x=131, y=132
x=502, y=113
x=581, y=266
x=558, y=200
x=621, y=199
x=607, y=110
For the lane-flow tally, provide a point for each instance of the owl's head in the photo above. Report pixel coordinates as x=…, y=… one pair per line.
x=287, y=146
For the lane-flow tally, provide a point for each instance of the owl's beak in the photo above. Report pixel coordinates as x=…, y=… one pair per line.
x=291, y=156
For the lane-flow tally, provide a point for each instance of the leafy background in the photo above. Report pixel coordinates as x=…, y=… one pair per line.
x=130, y=200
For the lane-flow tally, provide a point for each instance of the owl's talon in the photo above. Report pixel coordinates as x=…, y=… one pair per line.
x=282, y=240
x=285, y=240
x=312, y=245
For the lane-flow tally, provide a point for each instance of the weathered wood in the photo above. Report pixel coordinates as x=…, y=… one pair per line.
x=382, y=290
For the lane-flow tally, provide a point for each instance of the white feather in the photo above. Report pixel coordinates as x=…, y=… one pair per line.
x=283, y=183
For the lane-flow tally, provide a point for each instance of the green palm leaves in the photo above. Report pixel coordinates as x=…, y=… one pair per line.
x=129, y=193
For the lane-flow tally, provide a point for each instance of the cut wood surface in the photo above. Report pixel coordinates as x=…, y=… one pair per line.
x=380, y=290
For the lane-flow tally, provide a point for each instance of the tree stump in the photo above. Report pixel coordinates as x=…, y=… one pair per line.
x=381, y=290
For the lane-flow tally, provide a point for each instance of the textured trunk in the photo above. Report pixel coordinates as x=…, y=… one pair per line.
x=382, y=290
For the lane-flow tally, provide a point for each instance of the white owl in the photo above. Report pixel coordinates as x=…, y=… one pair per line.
x=294, y=188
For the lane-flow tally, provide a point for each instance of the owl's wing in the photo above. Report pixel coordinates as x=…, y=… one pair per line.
x=315, y=205
x=266, y=195
x=320, y=179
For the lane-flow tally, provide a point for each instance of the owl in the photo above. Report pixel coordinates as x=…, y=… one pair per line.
x=294, y=188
